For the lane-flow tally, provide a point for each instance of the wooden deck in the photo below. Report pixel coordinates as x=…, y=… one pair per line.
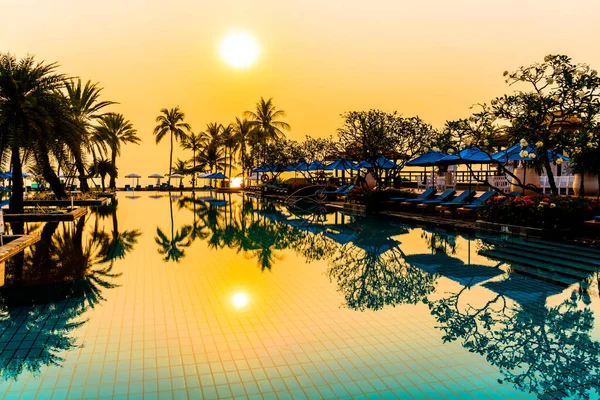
x=14, y=245
x=47, y=217
x=66, y=203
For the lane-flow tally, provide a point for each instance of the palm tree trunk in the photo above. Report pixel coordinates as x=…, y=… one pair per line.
x=102, y=177
x=194, y=170
x=170, y=162
x=83, y=183
x=113, y=178
x=48, y=173
x=16, y=199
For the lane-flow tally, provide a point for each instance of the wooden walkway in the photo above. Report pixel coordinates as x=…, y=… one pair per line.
x=47, y=217
x=66, y=203
x=14, y=245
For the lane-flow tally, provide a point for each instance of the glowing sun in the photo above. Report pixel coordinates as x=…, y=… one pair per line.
x=239, y=49
x=239, y=300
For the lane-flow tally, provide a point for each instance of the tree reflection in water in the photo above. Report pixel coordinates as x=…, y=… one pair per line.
x=543, y=350
x=49, y=289
x=173, y=247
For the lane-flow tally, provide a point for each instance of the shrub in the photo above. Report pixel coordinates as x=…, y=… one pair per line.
x=540, y=211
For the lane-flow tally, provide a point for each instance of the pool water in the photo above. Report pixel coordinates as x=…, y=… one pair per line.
x=221, y=296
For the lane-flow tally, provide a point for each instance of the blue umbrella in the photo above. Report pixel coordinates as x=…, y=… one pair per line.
x=216, y=175
x=429, y=159
x=468, y=155
x=513, y=153
x=341, y=164
x=258, y=169
x=381, y=162
x=315, y=166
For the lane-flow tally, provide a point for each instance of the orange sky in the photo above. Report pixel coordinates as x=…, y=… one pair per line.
x=432, y=58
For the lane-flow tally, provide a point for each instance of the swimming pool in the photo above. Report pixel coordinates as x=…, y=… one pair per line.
x=215, y=296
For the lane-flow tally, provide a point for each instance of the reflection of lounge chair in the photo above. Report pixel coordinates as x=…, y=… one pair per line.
x=206, y=187
x=427, y=194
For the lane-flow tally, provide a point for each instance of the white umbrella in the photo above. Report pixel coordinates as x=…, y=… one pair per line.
x=177, y=176
x=134, y=176
x=158, y=177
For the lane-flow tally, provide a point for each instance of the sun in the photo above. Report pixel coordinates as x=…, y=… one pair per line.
x=239, y=49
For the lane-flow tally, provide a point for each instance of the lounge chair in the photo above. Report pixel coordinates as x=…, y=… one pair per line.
x=427, y=194
x=346, y=191
x=150, y=187
x=475, y=204
x=516, y=194
x=181, y=187
x=138, y=187
x=127, y=188
x=461, y=200
x=446, y=195
x=337, y=191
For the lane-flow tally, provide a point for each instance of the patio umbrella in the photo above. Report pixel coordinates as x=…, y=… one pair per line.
x=158, y=177
x=216, y=175
x=513, y=153
x=429, y=159
x=341, y=164
x=468, y=156
x=177, y=176
x=134, y=176
x=316, y=166
x=381, y=162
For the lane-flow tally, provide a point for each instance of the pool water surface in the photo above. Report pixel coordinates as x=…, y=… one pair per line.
x=221, y=296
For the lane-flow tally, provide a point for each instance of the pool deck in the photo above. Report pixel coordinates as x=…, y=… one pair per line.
x=71, y=215
x=66, y=203
x=15, y=245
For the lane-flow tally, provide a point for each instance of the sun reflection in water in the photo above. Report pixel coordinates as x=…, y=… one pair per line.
x=240, y=300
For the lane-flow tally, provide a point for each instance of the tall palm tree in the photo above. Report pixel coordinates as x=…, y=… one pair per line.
x=117, y=130
x=242, y=129
x=171, y=122
x=265, y=121
x=192, y=142
x=230, y=143
x=30, y=113
x=86, y=107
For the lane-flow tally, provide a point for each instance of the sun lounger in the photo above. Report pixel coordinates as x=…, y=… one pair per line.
x=138, y=187
x=346, y=191
x=475, y=204
x=426, y=195
x=462, y=199
x=337, y=191
x=445, y=196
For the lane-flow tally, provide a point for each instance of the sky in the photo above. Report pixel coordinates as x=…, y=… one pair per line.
x=319, y=59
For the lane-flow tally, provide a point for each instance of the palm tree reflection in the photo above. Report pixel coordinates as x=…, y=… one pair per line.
x=49, y=289
x=173, y=248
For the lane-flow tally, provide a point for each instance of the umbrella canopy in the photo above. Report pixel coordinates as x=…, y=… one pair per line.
x=216, y=175
x=178, y=176
x=135, y=176
x=8, y=175
x=382, y=162
x=155, y=176
x=429, y=159
x=513, y=153
x=341, y=164
x=315, y=166
x=468, y=155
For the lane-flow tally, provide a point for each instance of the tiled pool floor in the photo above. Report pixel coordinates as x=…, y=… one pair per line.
x=261, y=307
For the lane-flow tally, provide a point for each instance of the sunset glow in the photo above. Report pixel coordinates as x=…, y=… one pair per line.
x=239, y=49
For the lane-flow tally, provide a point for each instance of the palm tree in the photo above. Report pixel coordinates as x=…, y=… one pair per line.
x=105, y=167
x=171, y=122
x=181, y=168
x=242, y=129
x=85, y=105
x=31, y=116
x=117, y=130
x=229, y=141
x=192, y=142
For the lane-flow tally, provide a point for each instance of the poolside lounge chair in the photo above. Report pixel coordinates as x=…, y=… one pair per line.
x=475, y=204
x=462, y=199
x=446, y=195
x=346, y=191
x=127, y=188
x=150, y=187
x=138, y=187
x=337, y=191
x=427, y=194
